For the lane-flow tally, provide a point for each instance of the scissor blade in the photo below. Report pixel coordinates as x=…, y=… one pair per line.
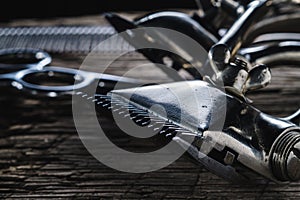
x=119, y=23
x=137, y=39
x=108, y=82
x=141, y=40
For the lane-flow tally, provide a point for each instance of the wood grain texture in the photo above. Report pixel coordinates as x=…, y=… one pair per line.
x=42, y=157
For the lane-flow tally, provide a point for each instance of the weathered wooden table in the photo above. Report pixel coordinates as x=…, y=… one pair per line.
x=41, y=155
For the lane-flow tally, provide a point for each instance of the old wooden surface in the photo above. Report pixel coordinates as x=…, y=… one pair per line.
x=41, y=155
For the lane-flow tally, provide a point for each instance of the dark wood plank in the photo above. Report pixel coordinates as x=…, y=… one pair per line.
x=41, y=155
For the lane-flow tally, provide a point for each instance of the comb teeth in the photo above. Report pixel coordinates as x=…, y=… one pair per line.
x=141, y=117
x=64, y=39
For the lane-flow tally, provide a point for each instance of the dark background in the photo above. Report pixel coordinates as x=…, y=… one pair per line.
x=55, y=8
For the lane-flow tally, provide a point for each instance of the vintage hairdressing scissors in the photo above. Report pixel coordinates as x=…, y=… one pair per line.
x=27, y=69
x=15, y=59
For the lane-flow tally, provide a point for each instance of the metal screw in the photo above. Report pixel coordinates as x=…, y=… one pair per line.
x=293, y=163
